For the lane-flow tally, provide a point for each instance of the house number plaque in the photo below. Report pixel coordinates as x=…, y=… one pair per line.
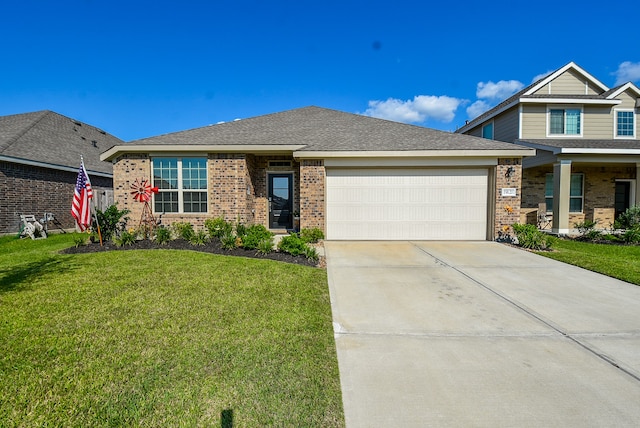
x=509, y=191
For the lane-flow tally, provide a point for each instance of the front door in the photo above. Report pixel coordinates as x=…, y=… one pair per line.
x=623, y=196
x=280, y=201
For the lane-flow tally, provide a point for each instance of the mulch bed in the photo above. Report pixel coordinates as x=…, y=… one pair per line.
x=212, y=246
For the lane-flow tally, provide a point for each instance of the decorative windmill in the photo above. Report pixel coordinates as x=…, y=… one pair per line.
x=141, y=190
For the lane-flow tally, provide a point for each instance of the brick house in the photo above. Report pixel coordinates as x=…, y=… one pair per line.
x=352, y=176
x=587, y=164
x=39, y=160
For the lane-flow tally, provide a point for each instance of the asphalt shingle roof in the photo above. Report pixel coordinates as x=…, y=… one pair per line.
x=321, y=129
x=584, y=144
x=51, y=138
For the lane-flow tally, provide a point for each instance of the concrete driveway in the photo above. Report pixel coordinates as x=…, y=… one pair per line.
x=481, y=334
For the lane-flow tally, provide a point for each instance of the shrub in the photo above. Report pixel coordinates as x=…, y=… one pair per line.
x=184, y=230
x=218, y=227
x=292, y=244
x=163, y=235
x=80, y=239
x=592, y=235
x=587, y=230
x=112, y=221
x=530, y=237
x=228, y=241
x=628, y=219
x=311, y=253
x=254, y=235
x=611, y=238
x=311, y=235
x=241, y=230
x=632, y=235
x=125, y=238
x=198, y=238
x=265, y=246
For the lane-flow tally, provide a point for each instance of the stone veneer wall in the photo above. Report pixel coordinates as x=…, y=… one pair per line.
x=312, y=194
x=27, y=190
x=507, y=208
x=599, y=192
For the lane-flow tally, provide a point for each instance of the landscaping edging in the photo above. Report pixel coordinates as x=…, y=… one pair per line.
x=213, y=247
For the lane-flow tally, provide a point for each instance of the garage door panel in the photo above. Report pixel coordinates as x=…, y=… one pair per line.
x=407, y=204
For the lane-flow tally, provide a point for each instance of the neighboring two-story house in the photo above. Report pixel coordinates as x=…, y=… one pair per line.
x=587, y=165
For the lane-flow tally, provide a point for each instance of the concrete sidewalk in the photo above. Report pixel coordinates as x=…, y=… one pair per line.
x=481, y=334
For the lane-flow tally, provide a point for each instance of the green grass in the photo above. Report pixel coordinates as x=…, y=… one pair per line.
x=617, y=261
x=162, y=338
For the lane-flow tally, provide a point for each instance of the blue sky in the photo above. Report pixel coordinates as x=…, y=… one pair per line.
x=144, y=68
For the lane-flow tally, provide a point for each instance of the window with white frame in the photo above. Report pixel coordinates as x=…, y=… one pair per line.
x=182, y=185
x=576, y=193
x=487, y=131
x=565, y=121
x=625, y=124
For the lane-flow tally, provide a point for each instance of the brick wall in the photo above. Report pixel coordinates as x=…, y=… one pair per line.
x=126, y=170
x=237, y=187
x=312, y=194
x=258, y=172
x=229, y=187
x=34, y=190
x=507, y=208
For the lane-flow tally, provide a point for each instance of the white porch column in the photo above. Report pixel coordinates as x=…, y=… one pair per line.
x=561, y=196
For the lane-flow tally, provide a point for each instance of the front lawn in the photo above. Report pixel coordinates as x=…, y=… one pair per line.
x=618, y=261
x=162, y=338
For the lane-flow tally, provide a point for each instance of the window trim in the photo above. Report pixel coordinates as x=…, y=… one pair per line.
x=615, y=124
x=550, y=198
x=565, y=107
x=180, y=188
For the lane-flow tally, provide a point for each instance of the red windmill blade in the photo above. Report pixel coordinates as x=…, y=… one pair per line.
x=141, y=190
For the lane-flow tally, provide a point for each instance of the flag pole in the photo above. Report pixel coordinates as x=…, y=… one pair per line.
x=92, y=204
x=95, y=216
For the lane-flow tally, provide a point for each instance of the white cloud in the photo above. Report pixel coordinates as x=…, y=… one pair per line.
x=477, y=108
x=502, y=89
x=627, y=72
x=540, y=76
x=421, y=108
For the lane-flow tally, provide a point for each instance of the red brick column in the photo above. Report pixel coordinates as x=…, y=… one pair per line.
x=312, y=194
x=507, y=208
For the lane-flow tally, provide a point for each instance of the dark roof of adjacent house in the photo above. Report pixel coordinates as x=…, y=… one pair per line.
x=316, y=129
x=49, y=139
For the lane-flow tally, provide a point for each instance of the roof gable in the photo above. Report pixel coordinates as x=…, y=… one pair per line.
x=571, y=67
x=615, y=92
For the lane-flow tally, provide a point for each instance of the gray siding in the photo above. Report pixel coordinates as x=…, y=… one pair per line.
x=505, y=126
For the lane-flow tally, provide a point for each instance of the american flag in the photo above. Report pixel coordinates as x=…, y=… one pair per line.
x=80, y=209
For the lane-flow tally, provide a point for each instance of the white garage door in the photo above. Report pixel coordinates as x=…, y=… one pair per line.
x=399, y=204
